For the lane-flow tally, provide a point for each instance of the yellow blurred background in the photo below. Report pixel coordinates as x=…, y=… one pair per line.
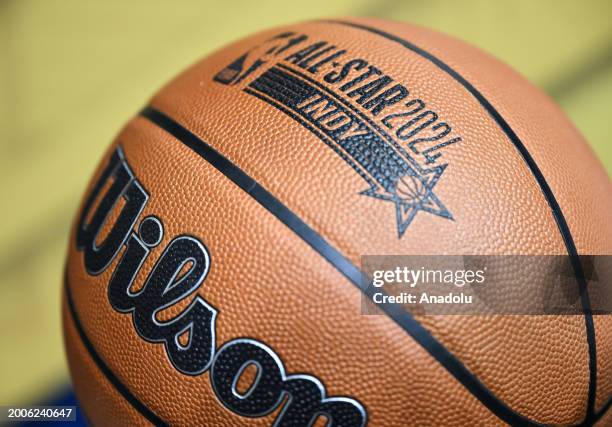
x=72, y=72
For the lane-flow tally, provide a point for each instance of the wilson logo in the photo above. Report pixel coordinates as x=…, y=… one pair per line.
x=189, y=337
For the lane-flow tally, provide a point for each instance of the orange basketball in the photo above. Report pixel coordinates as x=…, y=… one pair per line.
x=214, y=269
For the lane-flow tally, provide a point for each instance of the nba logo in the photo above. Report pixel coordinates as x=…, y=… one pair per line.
x=246, y=64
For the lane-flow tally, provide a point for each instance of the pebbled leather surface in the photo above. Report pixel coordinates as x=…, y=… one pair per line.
x=269, y=285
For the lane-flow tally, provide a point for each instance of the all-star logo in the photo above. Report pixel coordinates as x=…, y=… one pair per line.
x=393, y=141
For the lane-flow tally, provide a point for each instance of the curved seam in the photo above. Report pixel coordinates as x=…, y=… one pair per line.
x=546, y=190
x=103, y=367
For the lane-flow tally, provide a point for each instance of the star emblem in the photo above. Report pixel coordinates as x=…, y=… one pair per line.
x=412, y=193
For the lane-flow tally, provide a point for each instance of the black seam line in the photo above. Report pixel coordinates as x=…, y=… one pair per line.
x=103, y=367
x=602, y=411
x=548, y=194
x=403, y=318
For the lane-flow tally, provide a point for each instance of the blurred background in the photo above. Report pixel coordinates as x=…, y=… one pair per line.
x=72, y=72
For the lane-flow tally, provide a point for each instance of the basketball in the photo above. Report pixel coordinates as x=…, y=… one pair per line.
x=214, y=272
